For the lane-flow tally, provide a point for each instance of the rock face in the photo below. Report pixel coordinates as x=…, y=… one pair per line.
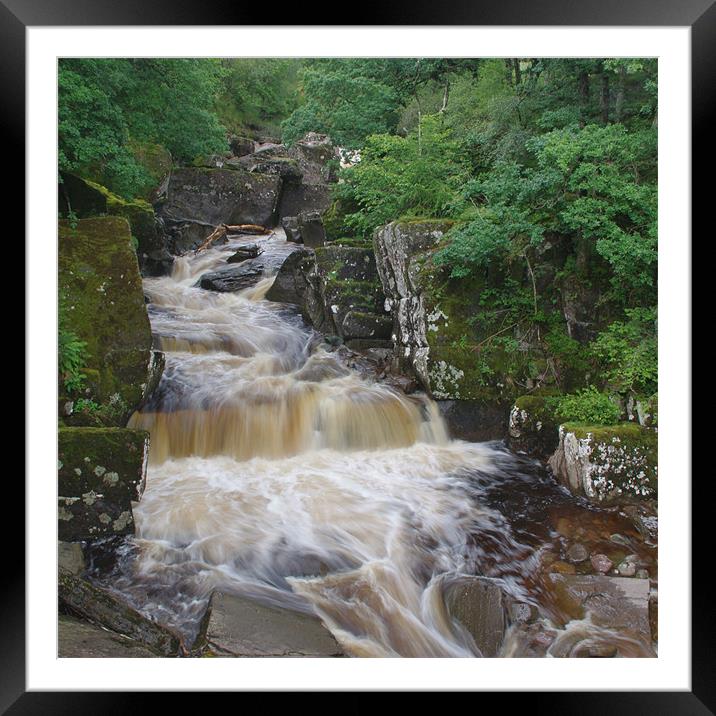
x=478, y=604
x=337, y=290
x=206, y=198
x=398, y=249
x=607, y=464
x=532, y=428
x=473, y=420
x=235, y=278
x=242, y=627
x=81, y=599
x=304, y=197
x=290, y=227
x=100, y=472
x=102, y=289
x=241, y=146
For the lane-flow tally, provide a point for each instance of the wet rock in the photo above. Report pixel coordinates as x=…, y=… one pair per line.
x=601, y=563
x=627, y=568
x=370, y=344
x=478, y=604
x=78, y=639
x=474, y=420
x=292, y=282
x=304, y=197
x=521, y=612
x=607, y=464
x=600, y=650
x=317, y=157
x=577, y=553
x=532, y=428
x=79, y=598
x=71, y=558
x=238, y=626
x=237, y=278
x=290, y=227
x=249, y=251
x=310, y=226
x=560, y=567
x=619, y=539
x=642, y=574
x=403, y=383
x=357, y=324
x=272, y=161
x=101, y=471
x=221, y=196
x=102, y=288
x=615, y=603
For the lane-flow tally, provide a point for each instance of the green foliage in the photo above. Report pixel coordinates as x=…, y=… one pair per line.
x=411, y=176
x=628, y=352
x=71, y=354
x=105, y=102
x=587, y=406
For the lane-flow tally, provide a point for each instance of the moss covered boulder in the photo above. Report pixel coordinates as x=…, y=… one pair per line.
x=100, y=472
x=533, y=428
x=102, y=292
x=157, y=162
x=607, y=464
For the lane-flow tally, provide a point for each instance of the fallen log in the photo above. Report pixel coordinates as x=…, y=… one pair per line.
x=217, y=233
x=246, y=229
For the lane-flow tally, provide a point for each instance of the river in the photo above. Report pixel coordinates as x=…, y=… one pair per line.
x=278, y=472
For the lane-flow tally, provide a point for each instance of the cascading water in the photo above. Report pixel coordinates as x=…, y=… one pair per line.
x=279, y=473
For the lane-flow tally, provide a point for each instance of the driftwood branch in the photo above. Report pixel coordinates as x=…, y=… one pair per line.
x=223, y=229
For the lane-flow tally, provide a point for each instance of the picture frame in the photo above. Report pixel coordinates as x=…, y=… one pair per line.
x=16, y=16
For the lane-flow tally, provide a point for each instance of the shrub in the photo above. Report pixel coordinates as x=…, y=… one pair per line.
x=586, y=406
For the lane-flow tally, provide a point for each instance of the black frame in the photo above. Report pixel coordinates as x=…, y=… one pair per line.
x=700, y=15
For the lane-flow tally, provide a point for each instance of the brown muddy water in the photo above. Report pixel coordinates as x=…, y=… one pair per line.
x=278, y=473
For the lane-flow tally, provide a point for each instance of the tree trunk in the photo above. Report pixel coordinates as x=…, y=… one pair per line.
x=619, y=102
x=604, y=98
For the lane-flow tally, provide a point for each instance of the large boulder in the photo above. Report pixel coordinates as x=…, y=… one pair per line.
x=304, y=197
x=100, y=472
x=241, y=146
x=101, y=290
x=479, y=605
x=211, y=197
x=310, y=227
x=238, y=626
x=607, y=464
x=291, y=229
x=317, y=157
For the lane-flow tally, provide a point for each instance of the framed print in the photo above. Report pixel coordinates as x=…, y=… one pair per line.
x=361, y=339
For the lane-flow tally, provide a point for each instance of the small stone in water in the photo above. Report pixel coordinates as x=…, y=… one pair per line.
x=620, y=539
x=563, y=568
x=593, y=651
x=577, y=553
x=601, y=563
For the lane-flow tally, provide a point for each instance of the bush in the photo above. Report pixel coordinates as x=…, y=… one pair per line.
x=586, y=406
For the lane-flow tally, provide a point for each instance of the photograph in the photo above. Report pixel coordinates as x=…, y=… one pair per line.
x=357, y=357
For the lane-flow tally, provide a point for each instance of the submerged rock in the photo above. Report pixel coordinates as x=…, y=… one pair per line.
x=607, y=464
x=249, y=251
x=101, y=471
x=237, y=626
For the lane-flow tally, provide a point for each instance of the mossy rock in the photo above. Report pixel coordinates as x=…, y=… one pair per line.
x=157, y=161
x=102, y=289
x=100, y=472
x=607, y=464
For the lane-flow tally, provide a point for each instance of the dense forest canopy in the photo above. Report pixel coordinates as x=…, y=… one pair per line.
x=529, y=158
